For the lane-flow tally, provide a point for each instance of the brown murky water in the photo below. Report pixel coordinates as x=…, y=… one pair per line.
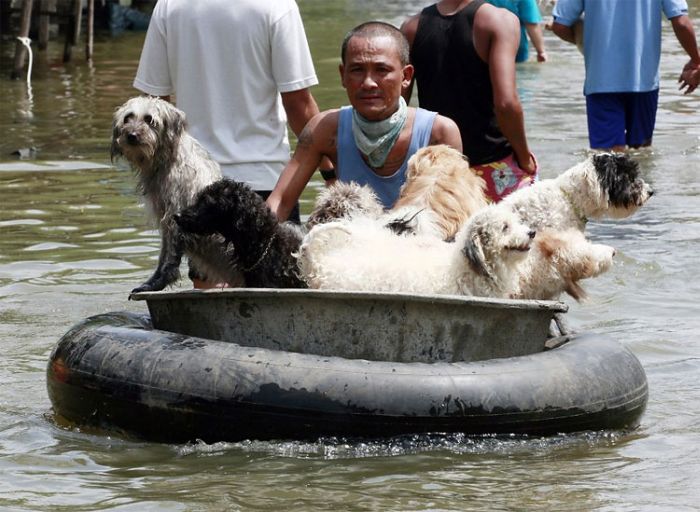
x=73, y=242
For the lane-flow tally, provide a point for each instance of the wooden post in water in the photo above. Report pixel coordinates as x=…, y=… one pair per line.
x=46, y=9
x=72, y=30
x=20, y=50
x=90, y=29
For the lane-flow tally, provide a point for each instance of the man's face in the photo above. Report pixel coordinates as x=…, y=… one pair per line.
x=373, y=76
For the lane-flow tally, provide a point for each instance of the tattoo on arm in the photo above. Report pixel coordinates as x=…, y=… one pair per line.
x=305, y=138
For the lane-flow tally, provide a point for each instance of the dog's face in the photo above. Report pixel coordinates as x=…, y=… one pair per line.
x=225, y=206
x=573, y=258
x=495, y=237
x=616, y=188
x=212, y=210
x=439, y=179
x=146, y=131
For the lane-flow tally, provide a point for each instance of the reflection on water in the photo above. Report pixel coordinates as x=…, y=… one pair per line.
x=74, y=241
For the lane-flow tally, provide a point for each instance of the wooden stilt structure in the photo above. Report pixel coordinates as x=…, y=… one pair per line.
x=20, y=50
x=47, y=8
x=73, y=30
x=90, y=29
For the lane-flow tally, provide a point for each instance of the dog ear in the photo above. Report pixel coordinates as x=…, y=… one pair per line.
x=473, y=250
x=403, y=225
x=114, y=150
x=174, y=125
x=575, y=290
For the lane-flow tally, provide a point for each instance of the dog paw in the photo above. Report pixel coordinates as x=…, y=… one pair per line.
x=145, y=287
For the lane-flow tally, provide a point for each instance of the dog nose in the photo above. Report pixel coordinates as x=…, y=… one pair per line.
x=531, y=233
x=651, y=192
x=132, y=138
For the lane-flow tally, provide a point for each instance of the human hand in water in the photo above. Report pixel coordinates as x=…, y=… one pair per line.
x=690, y=77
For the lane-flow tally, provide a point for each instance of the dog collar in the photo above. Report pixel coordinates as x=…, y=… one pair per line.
x=262, y=256
x=577, y=211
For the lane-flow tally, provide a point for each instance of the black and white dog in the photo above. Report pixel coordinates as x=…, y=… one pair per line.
x=606, y=185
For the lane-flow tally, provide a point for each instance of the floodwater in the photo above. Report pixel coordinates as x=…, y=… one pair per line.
x=73, y=242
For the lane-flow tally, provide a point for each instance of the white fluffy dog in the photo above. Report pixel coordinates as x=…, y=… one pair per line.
x=606, y=185
x=494, y=255
x=362, y=255
x=172, y=167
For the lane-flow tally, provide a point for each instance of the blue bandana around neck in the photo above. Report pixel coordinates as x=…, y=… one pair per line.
x=376, y=138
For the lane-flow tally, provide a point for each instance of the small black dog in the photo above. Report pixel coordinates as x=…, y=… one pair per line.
x=262, y=245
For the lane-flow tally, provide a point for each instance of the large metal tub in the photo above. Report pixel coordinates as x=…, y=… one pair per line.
x=372, y=326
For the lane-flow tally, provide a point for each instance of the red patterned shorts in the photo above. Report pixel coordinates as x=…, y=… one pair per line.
x=504, y=176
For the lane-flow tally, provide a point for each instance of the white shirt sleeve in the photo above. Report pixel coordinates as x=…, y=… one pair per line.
x=292, y=66
x=153, y=74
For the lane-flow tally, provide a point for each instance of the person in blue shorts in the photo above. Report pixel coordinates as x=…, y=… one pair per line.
x=622, y=51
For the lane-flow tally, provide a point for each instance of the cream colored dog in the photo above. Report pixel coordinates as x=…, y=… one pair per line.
x=441, y=192
x=557, y=261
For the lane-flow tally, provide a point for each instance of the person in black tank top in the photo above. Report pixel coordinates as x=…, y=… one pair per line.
x=454, y=81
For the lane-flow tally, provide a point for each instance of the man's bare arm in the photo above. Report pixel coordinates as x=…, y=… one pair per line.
x=445, y=131
x=563, y=32
x=314, y=144
x=534, y=31
x=300, y=107
x=409, y=29
x=685, y=33
x=497, y=36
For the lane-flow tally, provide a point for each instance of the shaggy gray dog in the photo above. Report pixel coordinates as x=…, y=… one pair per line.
x=172, y=167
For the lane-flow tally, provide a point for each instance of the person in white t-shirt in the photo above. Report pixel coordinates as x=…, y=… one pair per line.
x=240, y=70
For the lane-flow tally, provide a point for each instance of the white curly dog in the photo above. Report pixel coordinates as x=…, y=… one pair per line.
x=362, y=255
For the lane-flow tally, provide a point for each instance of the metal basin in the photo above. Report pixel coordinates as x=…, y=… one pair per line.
x=372, y=326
